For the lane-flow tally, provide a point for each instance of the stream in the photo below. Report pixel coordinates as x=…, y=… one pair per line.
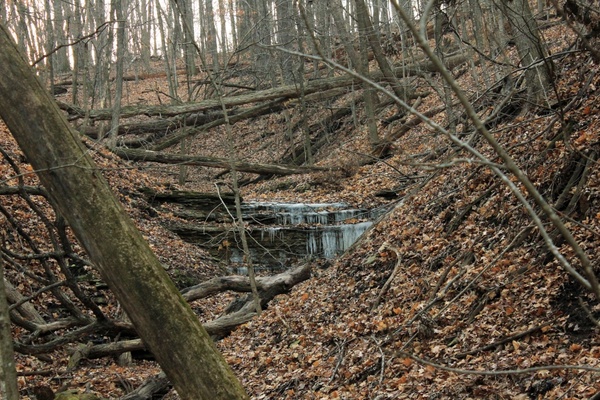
x=281, y=233
x=298, y=230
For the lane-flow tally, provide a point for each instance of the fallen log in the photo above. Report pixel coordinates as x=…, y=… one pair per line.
x=196, y=200
x=214, y=162
x=160, y=127
x=233, y=117
x=268, y=287
x=151, y=386
x=281, y=92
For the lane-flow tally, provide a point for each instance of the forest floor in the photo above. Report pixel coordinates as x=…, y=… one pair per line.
x=452, y=295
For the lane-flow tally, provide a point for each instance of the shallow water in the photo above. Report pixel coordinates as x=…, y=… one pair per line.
x=300, y=230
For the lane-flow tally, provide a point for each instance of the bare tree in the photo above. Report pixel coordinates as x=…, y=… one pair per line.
x=286, y=35
x=120, y=60
x=531, y=49
x=587, y=279
x=114, y=244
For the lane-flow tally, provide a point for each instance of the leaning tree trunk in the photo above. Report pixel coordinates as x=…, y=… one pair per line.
x=8, y=373
x=159, y=313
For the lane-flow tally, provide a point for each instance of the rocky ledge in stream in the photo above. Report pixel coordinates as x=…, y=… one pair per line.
x=278, y=233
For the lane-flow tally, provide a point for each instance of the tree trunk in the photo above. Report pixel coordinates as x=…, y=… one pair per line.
x=144, y=10
x=125, y=261
x=286, y=34
x=3, y=13
x=530, y=48
x=60, y=30
x=121, y=44
x=370, y=95
x=211, y=39
x=187, y=20
x=233, y=23
x=223, y=37
x=374, y=42
x=8, y=374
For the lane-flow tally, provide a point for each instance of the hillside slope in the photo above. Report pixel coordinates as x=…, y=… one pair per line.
x=453, y=289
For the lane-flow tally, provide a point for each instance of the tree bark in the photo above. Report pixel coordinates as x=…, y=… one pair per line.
x=268, y=286
x=26, y=309
x=531, y=49
x=8, y=373
x=114, y=127
x=125, y=261
x=148, y=388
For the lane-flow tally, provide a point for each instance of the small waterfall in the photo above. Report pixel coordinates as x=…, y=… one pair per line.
x=322, y=230
x=333, y=240
x=272, y=233
x=279, y=233
x=303, y=213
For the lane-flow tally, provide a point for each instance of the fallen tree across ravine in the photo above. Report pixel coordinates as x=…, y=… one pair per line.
x=214, y=162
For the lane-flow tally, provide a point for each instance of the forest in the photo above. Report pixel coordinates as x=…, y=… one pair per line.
x=269, y=199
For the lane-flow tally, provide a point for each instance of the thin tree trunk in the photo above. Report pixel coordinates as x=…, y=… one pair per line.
x=114, y=127
x=370, y=96
x=8, y=373
x=3, y=13
x=187, y=21
x=168, y=53
x=145, y=44
x=373, y=38
x=286, y=34
x=531, y=49
x=233, y=20
x=50, y=44
x=223, y=36
x=212, y=35
x=60, y=29
x=302, y=89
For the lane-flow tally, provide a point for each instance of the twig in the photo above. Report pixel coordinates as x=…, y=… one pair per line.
x=588, y=312
x=342, y=349
x=447, y=271
x=382, y=359
x=43, y=372
x=387, y=284
x=35, y=294
x=502, y=341
x=283, y=321
x=81, y=39
x=499, y=372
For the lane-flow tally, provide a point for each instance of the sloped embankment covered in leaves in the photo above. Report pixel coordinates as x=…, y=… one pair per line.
x=454, y=294
x=445, y=297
